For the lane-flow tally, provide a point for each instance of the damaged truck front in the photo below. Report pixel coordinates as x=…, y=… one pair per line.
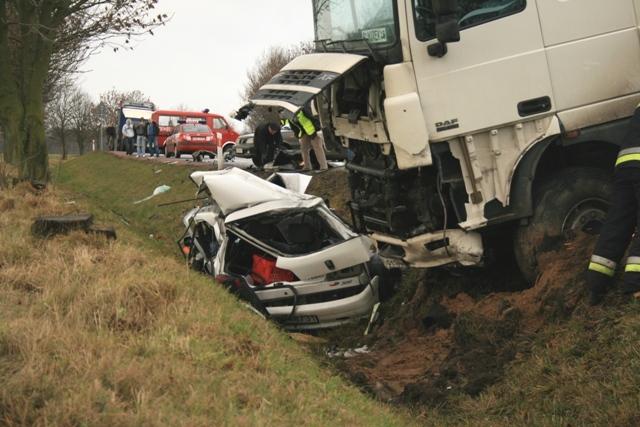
x=470, y=122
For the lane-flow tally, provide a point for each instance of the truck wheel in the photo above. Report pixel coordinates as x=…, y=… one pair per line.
x=575, y=199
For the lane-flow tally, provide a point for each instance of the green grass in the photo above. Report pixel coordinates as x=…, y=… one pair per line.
x=94, y=332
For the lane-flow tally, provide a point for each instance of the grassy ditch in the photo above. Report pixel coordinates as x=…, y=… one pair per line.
x=464, y=349
x=97, y=332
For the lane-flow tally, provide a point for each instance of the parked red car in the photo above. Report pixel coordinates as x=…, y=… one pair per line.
x=167, y=120
x=190, y=137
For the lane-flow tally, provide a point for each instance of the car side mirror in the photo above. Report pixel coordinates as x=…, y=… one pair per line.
x=447, y=28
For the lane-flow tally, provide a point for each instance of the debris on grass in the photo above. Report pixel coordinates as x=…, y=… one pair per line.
x=49, y=226
x=158, y=190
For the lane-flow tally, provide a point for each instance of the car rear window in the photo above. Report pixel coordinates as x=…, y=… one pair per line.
x=196, y=128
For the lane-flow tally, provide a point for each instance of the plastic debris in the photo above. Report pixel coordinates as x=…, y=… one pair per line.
x=159, y=190
x=334, y=352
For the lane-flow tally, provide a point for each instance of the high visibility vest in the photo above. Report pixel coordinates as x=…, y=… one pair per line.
x=305, y=123
x=293, y=126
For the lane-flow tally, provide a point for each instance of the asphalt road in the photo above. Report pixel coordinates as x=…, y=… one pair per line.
x=187, y=159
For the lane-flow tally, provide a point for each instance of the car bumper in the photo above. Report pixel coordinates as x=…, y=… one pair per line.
x=431, y=250
x=244, y=152
x=328, y=314
x=194, y=146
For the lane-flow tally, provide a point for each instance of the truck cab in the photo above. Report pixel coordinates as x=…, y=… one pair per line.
x=471, y=121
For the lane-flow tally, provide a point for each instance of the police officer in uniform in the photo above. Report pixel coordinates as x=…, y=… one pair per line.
x=621, y=223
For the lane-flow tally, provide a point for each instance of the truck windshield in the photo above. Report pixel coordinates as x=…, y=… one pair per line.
x=353, y=20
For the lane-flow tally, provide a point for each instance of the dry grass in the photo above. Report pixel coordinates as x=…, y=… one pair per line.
x=95, y=332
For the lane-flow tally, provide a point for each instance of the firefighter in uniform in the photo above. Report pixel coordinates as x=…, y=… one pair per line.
x=621, y=223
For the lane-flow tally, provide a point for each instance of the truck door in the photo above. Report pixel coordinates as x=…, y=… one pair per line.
x=497, y=74
x=594, y=59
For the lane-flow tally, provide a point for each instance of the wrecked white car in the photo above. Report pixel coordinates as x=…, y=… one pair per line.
x=282, y=250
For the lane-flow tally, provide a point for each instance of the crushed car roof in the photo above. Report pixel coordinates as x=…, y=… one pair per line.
x=243, y=194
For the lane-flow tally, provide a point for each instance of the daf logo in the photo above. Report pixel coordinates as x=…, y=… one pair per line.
x=325, y=77
x=447, y=125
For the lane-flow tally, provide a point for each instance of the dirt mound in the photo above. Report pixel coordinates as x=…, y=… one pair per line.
x=333, y=186
x=452, y=337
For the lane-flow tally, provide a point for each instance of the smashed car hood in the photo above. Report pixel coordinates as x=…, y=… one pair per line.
x=304, y=78
x=297, y=182
x=243, y=194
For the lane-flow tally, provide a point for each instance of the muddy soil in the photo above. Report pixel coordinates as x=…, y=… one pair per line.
x=452, y=330
x=451, y=336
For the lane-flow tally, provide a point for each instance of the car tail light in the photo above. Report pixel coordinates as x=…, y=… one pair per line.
x=264, y=271
x=187, y=137
x=209, y=139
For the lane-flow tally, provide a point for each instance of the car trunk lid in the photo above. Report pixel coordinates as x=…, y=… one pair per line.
x=240, y=194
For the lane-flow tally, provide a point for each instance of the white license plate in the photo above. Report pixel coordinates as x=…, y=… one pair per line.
x=301, y=320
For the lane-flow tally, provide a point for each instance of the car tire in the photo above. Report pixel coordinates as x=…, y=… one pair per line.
x=574, y=199
x=229, y=152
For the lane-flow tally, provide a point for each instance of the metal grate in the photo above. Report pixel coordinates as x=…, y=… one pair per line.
x=280, y=95
x=296, y=77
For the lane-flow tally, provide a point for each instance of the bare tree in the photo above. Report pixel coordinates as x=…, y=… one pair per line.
x=58, y=113
x=182, y=107
x=265, y=68
x=41, y=37
x=82, y=118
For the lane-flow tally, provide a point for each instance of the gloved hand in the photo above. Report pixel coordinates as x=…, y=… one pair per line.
x=244, y=111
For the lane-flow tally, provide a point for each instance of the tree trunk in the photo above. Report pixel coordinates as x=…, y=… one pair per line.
x=9, y=102
x=80, y=141
x=63, y=143
x=33, y=157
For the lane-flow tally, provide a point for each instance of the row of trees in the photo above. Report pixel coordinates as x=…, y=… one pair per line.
x=41, y=43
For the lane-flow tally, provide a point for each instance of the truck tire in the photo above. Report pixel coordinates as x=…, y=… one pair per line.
x=573, y=199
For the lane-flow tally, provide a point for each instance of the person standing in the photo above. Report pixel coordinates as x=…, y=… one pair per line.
x=141, y=136
x=266, y=139
x=128, y=134
x=152, y=133
x=620, y=224
x=111, y=138
x=307, y=126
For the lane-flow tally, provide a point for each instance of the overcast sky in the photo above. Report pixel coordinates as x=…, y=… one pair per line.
x=201, y=57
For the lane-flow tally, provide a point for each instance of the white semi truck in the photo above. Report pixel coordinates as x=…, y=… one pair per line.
x=471, y=122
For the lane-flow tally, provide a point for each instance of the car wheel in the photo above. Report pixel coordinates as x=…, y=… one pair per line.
x=229, y=152
x=575, y=199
